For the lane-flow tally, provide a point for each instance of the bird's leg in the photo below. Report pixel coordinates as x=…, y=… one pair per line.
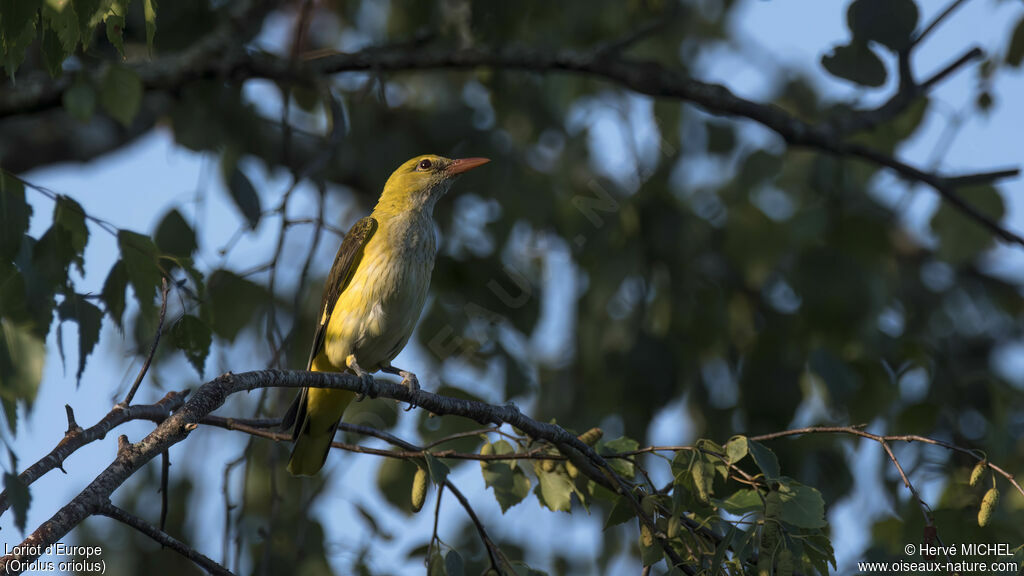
x=409, y=380
x=365, y=379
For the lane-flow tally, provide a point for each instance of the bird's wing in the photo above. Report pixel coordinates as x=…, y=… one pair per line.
x=345, y=263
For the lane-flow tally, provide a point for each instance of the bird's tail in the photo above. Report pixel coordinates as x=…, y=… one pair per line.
x=316, y=413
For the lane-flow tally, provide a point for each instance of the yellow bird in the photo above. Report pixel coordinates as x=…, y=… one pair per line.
x=373, y=299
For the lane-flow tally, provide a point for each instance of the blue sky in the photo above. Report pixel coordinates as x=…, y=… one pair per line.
x=135, y=186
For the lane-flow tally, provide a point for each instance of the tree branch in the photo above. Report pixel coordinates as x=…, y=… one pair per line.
x=76, y=437
x=854, y=431
x=643, y=76
x=162, y=538
x=212, y=395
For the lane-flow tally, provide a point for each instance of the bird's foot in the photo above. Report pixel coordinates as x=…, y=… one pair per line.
x=365, y=378
x=409, y=380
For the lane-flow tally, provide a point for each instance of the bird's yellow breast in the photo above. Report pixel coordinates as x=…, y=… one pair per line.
x=376, y=313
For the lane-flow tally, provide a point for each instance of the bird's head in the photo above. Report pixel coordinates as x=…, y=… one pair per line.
x=419, y=182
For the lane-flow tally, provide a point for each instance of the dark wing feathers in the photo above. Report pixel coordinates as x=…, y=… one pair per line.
x=345, y=263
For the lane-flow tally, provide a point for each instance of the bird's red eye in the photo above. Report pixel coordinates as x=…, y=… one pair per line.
x=425, y=165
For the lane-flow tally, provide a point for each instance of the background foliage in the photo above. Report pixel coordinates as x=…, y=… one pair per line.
x=623, y=261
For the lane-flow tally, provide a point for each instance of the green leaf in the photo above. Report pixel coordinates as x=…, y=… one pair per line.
x=114, y=19
x=21, y=367
x=723, y=546
x=438, y=470
x=394, y=480
x=69, y=215
x=888, y=22
x=650, y=552
x=62, y=21
x=1015, y=52
x=506, y=478
x=121, y=93
x=765, y=459
x=149, y=11
x=12, y=293
x=192, y=336
x=741, y=502
x=245, y=197
x=435, y=564
x=89, y=13
x=16, y=15
x=17, y=30
x=703, y=477
x=113, y=292
x=802, y=506
x=14, y=216
x=622, y=466
x=80, y=101
x=453, y=564
x=621, y=511
x=554, y=489
x=961, y=239
x=140, y=258
x=234, y=303
x=52, y=257
x=857, y=63
x=174, y=236
x=17, y=494
x=89, y=318
x=736, y=449
x=52, y=51
x=820, y=553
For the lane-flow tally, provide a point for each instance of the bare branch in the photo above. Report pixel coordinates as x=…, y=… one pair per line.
x=75, y=438
x=160, y=537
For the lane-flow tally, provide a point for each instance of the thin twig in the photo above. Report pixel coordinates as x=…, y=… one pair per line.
x=854, y=431
x=982, y=177
x=972, y=54
x=492, y=549
x=935, y=23
x=165, y=288
x=165, y=474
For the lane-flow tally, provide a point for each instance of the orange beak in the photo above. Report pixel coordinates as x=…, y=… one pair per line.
x=461, y=165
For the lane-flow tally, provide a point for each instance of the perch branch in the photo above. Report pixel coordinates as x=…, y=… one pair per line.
x=212, y=395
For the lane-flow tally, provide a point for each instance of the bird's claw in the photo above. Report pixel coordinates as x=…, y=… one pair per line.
x=410, y=381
